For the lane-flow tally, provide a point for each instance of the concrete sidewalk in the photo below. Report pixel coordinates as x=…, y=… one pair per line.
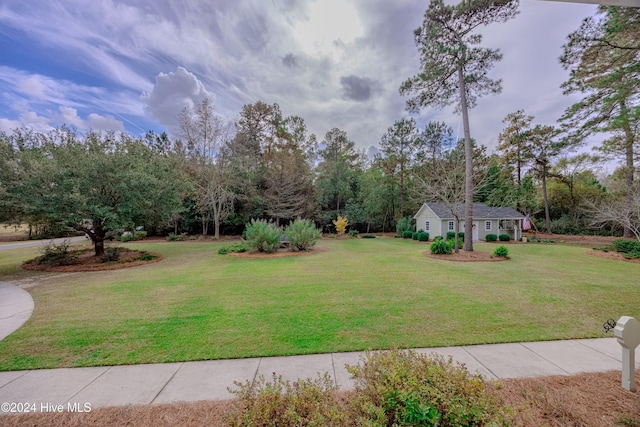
x=209, y=380
x=16, y=306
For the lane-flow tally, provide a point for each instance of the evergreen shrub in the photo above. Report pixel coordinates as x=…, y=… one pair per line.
x=262, y=236
x=302, y=234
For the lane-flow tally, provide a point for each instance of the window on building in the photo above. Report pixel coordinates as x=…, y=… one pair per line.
x=451, y=227
x=426, y=226
x=487, y=225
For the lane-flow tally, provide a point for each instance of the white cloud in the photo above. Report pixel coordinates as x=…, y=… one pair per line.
x=173, y=92
x=98, y=122
x=70, y=117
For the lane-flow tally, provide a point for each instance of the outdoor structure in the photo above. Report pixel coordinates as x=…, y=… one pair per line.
x=627, y=331
x=437, y=219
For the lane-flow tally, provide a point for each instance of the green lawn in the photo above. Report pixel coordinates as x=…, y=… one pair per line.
x=360, y=294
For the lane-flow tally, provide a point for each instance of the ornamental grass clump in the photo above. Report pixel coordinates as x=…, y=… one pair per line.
x=404, y=388
x=262, y=236
x=302, y=234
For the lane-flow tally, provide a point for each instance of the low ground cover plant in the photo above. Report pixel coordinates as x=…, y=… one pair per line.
x=233, y=248
x=629, y=249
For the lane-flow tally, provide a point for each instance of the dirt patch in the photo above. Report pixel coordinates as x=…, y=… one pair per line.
x=463, y=256
x=281, y=253
x=87, y=261
x=586, y=400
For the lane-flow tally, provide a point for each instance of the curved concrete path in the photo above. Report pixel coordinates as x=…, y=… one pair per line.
x=16, y=306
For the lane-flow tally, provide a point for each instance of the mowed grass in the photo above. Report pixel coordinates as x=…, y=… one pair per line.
x=360, y=294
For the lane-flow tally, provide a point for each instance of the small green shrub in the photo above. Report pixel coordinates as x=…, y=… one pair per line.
x=176, y=237
x=452, y=235
x=233, y=248
x=368, y=236
x=423, y=236
x=626, y=246
x=440, y=247
x=125, y=237
x=414, y=235
x=111, y=254
x=404, y=388
x=504, y=237
x=56, y=254
x=404, y=224
x=262, y=236
x=302, y=234
x=285, y=404
x=491, y=237
x=501, y=251
x=140, y=235
x=353, y=233
x=407, y=234
x=146, y=256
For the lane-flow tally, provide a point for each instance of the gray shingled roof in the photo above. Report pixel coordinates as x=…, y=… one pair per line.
x=480, y=211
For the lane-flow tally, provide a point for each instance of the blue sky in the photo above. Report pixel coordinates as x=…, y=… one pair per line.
x=133, y=65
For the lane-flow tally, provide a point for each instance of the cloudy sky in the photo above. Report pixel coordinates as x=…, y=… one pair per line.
x=133, y=65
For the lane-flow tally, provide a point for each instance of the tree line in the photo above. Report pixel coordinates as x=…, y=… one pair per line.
x=214, y=176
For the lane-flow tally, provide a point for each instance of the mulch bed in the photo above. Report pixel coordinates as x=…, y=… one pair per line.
x=612, y=255
x=87, y=261
x=462, y=256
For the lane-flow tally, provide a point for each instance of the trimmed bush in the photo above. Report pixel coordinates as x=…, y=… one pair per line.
x=403, y=224
x=404, y=388
x=423, y=236
x=504, y=237
x=285, y=404
x=440, y=247
x=57, y=254
x=452, y=235
x=491, y=237
x=302, y=234
x=414, y=235
x=262, y=236
x=501, y=251
x=140, y=235
x=407, y=234
x=353, y=233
